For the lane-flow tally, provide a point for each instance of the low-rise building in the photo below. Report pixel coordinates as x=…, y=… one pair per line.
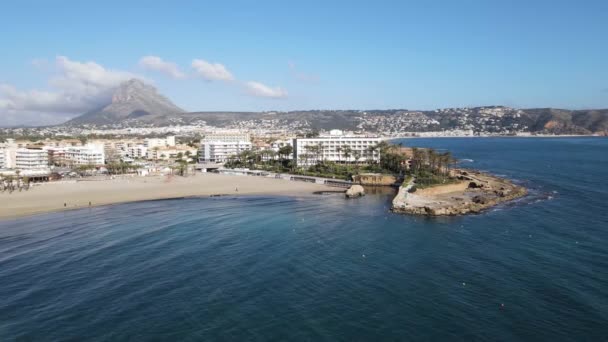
x=160, y=142
x=171, y=152
x=85, y=155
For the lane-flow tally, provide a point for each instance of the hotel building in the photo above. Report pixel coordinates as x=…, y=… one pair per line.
x=218, y=147
x=335, y=147
x=31, y=159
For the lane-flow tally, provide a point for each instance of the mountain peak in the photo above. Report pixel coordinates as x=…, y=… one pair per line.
x=132, y=88
x=132, y=99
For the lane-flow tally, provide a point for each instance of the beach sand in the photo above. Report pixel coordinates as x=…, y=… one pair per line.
x=49, y=197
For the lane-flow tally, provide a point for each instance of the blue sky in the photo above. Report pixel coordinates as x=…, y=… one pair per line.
x=306, y=55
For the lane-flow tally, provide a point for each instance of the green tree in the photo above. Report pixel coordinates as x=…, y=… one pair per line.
x=285, y=151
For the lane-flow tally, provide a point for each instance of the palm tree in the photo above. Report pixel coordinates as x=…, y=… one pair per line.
x=285, y=151
x=357, y=155
x=347, y=153
x=370, y=153
x=314, y=150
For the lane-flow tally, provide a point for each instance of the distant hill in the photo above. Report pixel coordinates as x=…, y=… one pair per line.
x=135, y=103
x=132, y=100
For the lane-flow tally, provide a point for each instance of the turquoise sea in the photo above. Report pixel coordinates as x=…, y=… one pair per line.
x=322, y=268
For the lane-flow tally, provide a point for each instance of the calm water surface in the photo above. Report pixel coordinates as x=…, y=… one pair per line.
x=323, y=268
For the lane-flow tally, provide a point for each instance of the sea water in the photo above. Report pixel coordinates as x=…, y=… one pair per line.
x=324, y=268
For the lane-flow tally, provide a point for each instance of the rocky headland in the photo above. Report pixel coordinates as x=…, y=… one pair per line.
x=472, y=192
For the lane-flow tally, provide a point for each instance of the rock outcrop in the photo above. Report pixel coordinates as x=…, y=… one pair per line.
x=355, y=191
x=478, y=192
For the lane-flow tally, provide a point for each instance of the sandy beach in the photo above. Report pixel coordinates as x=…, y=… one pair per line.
x=49, y=197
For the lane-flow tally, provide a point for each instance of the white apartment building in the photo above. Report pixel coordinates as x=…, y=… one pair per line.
x=2, y=158
x=85, y=155
x=218, y=147
x=227, y=136
x=160, y=142
x=220, y=151
x=137, y=151
x=31, y=159
x=335, y=147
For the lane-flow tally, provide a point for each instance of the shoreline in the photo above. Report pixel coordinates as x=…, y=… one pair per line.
x=56, y=197
x=475, y=192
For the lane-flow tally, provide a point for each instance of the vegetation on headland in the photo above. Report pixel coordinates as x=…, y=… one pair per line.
x=427, y=166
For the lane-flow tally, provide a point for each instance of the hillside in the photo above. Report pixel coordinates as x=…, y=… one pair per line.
x=137, y=104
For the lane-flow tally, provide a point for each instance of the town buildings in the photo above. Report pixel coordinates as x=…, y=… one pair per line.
x=336, y=147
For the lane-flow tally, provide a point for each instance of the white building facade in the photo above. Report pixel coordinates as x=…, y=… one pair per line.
x=221, y=151
x=335, y=147
x=85, y=155
x=2, y=158
x=160, y=142
x=137, y=151
x=227, y=136
x=31, y=159
x=218, y=147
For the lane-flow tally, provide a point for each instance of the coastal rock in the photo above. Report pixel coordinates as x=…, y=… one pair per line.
x=479, y=199
x=355, y=191
x=479, y=192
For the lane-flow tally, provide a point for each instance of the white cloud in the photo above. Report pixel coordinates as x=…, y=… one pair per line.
x=157, y=64
x=75, y=87
x=262, y=90
x=211, y=71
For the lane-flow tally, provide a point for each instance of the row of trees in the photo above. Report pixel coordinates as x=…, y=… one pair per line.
x=346, y=154
x=431, y=167
x=277, y=159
